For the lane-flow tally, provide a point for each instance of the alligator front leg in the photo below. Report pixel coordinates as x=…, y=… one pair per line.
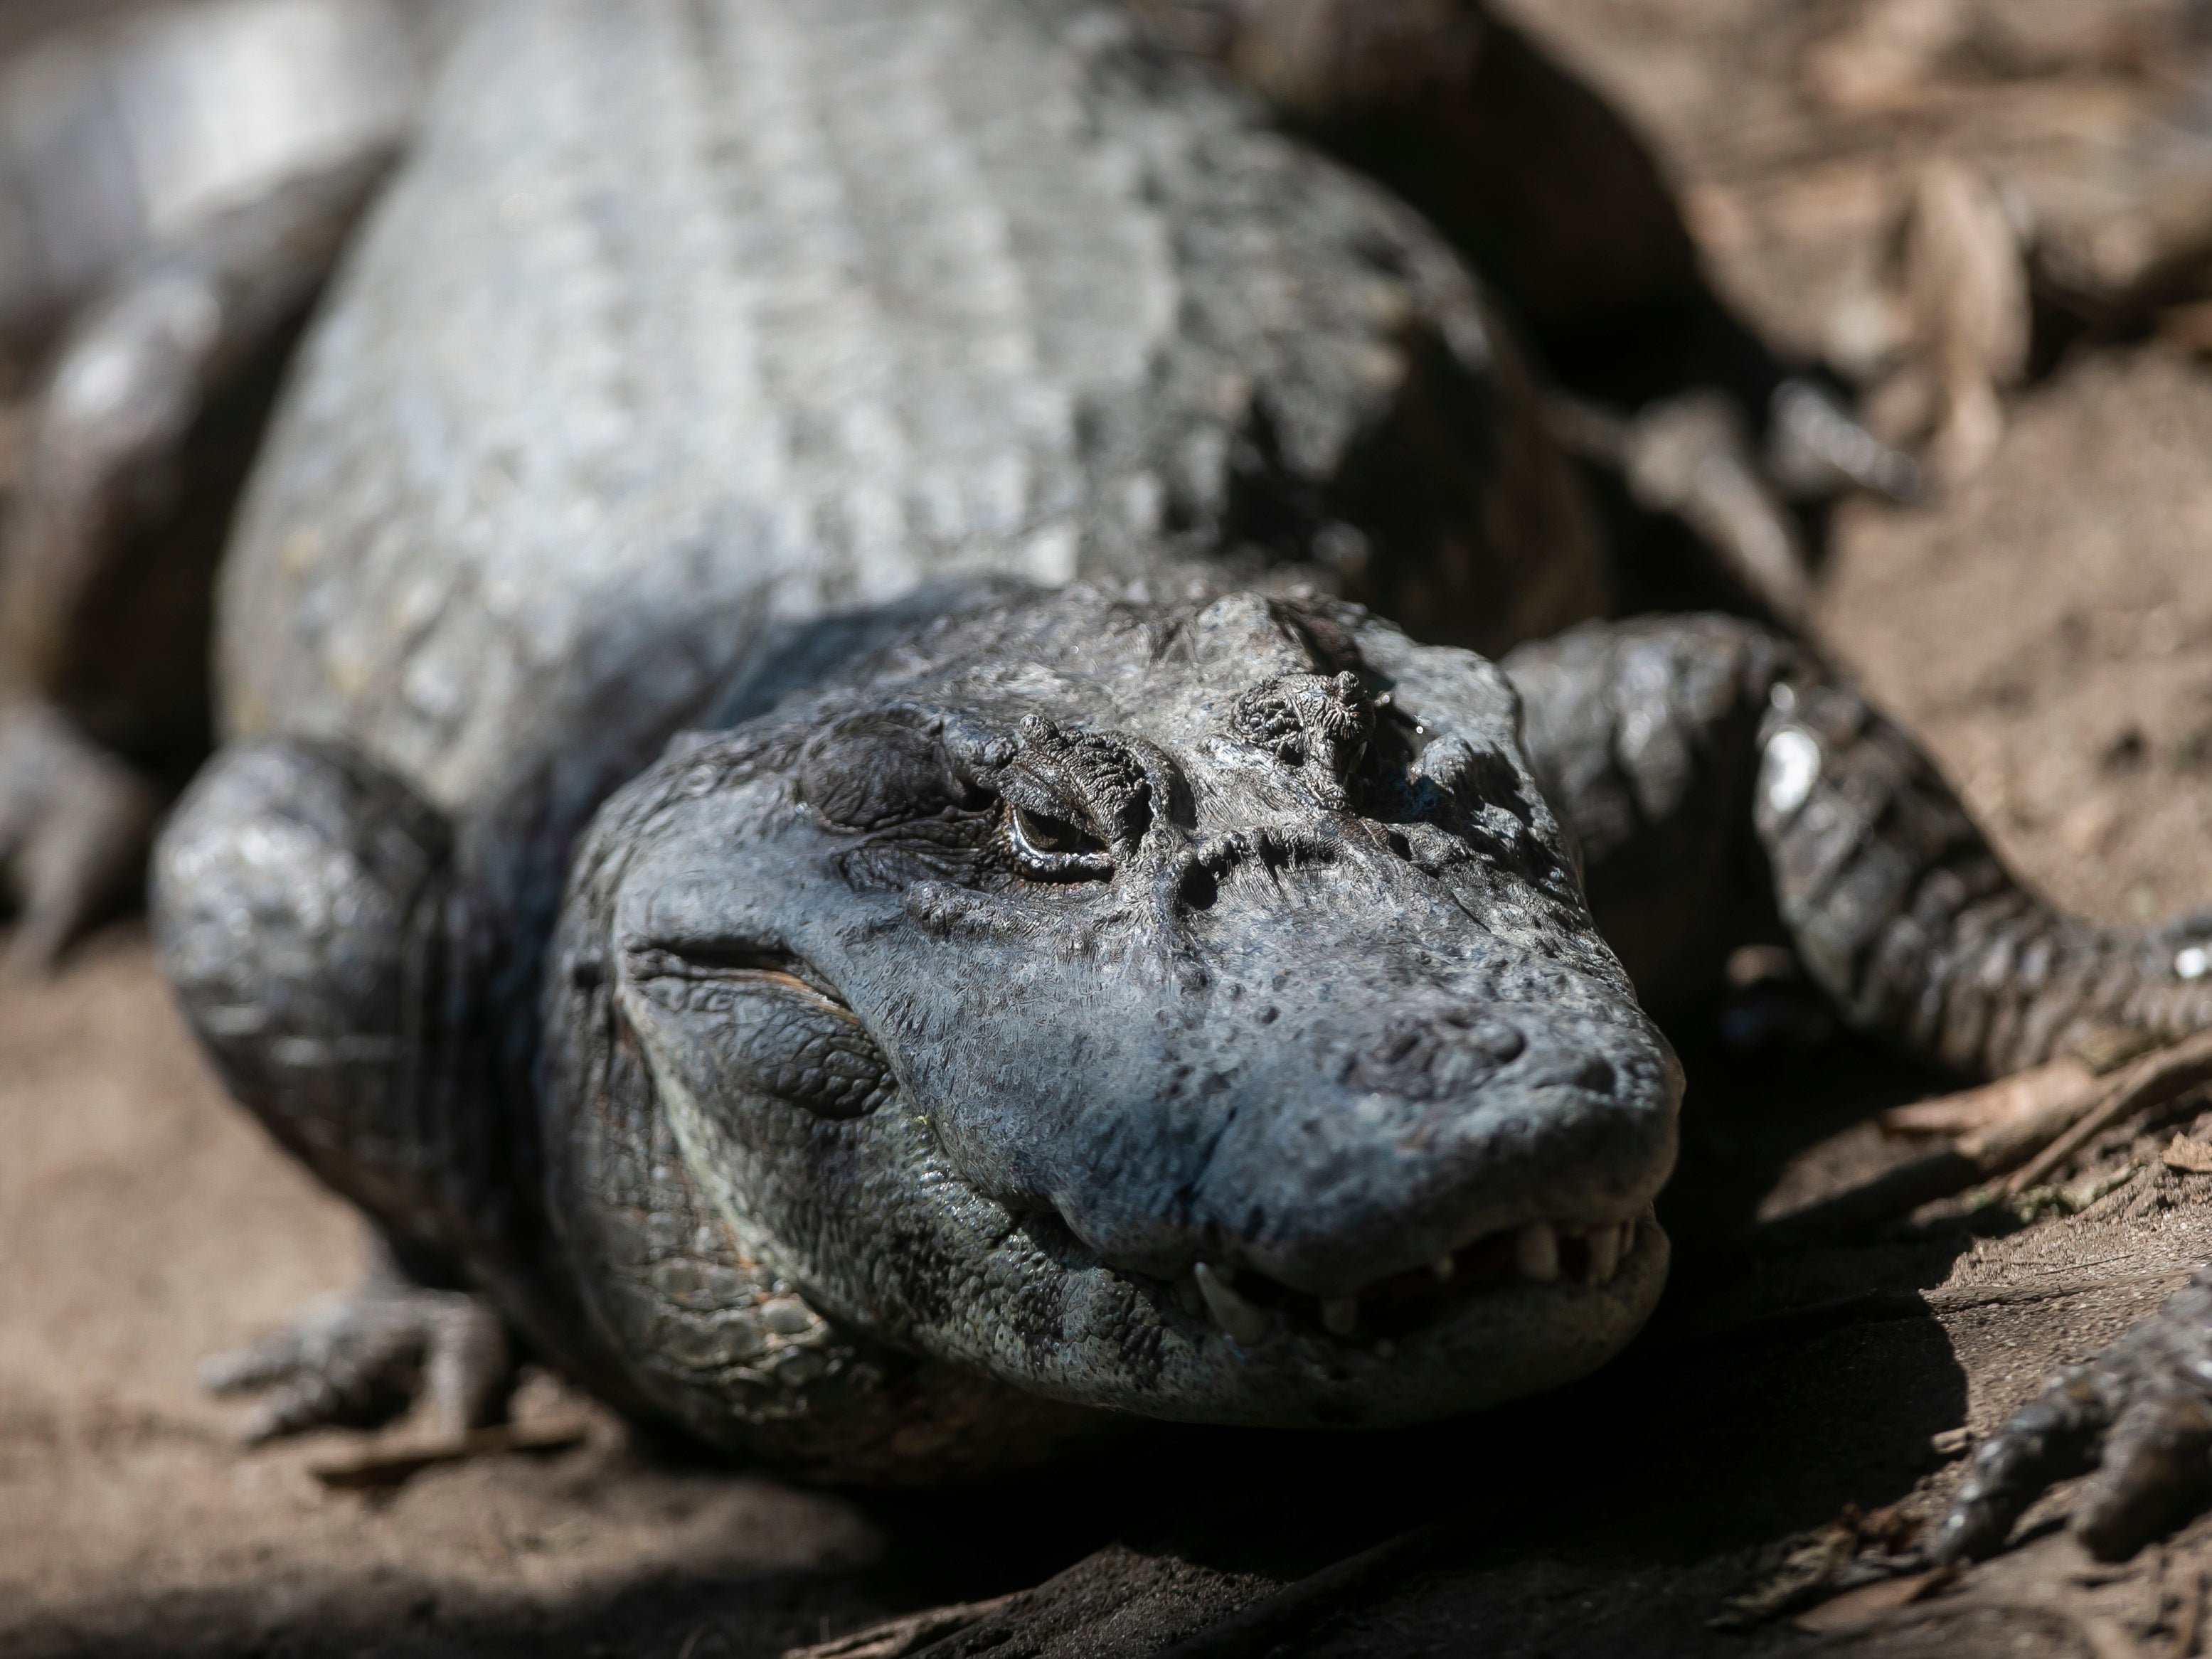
x=141, y=439
x=1721, y=781
x=304, y=906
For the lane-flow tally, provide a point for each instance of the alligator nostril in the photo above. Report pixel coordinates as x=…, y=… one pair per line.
x=1434, y=1056
x=1596, y=1074
x=1198, y=889
x=1498, y=1041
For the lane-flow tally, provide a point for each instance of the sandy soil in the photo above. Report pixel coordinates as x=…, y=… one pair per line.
x=2047, y=627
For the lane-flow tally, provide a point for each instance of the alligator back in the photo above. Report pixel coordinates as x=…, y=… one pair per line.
x=690, y=321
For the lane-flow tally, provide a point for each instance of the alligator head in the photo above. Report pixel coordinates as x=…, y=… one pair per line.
x=1190, y=1010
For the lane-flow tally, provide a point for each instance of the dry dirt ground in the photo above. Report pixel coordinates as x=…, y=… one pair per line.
x=2045, y=626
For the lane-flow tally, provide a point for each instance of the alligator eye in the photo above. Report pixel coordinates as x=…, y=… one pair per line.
x=1050, y=846
x=1040, y=832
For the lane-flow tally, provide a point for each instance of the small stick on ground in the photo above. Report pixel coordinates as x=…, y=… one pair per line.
x=2152, y=1081
x=897, y=1638
x=389, y=1465
x=2032, y=1121
x=2189, y=1624
x=2023, y=1098
x=2013, y=1119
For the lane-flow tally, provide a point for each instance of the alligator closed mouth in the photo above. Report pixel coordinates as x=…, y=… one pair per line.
x=821, y=820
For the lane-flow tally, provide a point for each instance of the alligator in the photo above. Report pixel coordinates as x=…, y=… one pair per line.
x=921, y=760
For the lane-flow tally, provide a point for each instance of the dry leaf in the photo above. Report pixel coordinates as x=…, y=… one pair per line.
x=900, y=1636
x=2194, y=1156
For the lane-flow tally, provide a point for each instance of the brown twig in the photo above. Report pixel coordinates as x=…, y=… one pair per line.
x=2030, y=1122
x=2192, y=1621
x=1974, y=1111
x=1854, y=1609
x=2014, y=1117
x=389, y=1465
x=1337, y=1588
x=2152, y=1081
x=897, y=1638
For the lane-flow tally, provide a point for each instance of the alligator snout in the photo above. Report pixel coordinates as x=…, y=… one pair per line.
x=1358, y=1163
x=1348, y=1144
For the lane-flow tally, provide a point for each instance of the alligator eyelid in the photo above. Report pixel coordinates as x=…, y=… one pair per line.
x=761, y=964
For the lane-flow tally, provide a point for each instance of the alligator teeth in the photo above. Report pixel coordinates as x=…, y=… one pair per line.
x=1340, y=1314
x=1443, y=1267
x=1536, y=1252
x=1627, y=1240
x=1243, y=1321
x=1604, y=1246
x=1187, y=1297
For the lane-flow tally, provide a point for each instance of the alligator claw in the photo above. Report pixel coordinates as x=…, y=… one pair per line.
x=74, y=825
x=2140, y=1414
x=361, y=1360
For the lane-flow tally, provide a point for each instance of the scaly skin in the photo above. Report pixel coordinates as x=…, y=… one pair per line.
x=1528, y=171
x=146, y=426
x=1723, y=785
x=827, y=303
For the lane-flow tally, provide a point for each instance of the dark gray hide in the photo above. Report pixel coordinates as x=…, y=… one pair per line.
x=1083, y=942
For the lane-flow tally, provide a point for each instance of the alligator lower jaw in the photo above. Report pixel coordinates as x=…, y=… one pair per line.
x=1247, y=1308
x=1422, y=1347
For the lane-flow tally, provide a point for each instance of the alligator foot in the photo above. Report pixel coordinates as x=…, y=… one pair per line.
x=361, y=1360
x=74, y=824
x=2139, y=1413
x=1693, y=456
